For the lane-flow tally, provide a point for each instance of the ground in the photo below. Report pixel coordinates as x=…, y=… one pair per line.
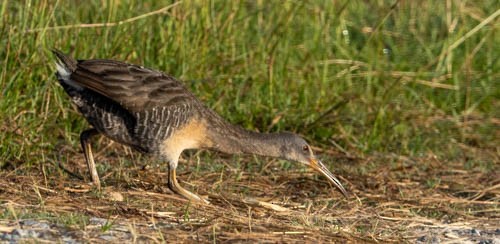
x=398, y=199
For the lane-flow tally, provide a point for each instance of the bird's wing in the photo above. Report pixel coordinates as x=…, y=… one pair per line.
x=134, y=87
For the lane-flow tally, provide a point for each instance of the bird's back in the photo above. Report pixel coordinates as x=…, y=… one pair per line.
x=130, y=104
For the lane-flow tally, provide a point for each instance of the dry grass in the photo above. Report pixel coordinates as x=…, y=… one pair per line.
x=391, y=202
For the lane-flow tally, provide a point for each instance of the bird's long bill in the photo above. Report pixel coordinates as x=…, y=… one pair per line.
x=320, y=167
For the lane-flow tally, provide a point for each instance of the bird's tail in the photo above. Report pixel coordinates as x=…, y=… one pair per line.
x=65, y=66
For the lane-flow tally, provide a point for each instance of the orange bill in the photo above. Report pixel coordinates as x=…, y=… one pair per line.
x=320, y=167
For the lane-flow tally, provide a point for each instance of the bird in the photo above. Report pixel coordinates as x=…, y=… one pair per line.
x=154, y=113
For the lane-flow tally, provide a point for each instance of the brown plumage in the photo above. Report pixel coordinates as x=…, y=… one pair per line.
x=155, y=114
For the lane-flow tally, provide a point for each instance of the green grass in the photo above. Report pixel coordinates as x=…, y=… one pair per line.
x=268, y=67
x=363, y=78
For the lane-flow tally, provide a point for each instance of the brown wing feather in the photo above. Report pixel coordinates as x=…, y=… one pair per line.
x=136, y=88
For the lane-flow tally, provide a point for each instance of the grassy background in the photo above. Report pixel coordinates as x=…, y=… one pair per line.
x=359, y=79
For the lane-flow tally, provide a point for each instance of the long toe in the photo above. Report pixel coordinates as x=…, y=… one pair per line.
x=192, y=197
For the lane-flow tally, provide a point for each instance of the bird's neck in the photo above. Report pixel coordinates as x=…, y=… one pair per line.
x=228, y=138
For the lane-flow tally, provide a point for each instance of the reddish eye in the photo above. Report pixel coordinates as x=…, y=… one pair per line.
x=305, y=148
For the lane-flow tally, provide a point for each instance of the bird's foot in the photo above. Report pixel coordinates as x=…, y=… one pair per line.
x=195, y=198
x=175, y=187
x=188, y=195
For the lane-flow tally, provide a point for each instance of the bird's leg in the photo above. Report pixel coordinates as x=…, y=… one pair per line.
x=87, y=151
x=175, y=187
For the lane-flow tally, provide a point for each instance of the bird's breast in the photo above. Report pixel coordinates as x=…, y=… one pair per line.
x=192, y=135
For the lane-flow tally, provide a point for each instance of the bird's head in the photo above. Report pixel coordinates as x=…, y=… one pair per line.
x=294, y=148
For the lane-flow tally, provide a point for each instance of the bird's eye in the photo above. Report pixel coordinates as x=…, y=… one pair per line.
x=305, y=148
